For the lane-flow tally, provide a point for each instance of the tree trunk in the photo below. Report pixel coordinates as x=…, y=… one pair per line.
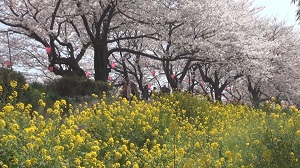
x=101, y=63
x=218, y=94
x=255, y=93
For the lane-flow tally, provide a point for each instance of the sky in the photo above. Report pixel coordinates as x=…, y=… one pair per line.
x=283, y=10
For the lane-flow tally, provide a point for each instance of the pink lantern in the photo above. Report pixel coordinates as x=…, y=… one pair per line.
x=8, y=64
x=51, y=68
x=110, y=78
x=113, y=65
x=148, y=86
x=172, y=76
x=234, y=89
x=153, y=73
x=202, y=84
x=48, y=50
x=88, y=74
x=188, y=81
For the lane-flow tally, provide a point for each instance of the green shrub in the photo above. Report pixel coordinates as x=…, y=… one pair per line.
x=39, y=91
x=77, y=88
x=7, y=76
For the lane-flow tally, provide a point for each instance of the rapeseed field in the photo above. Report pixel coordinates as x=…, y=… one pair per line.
x=177, y=130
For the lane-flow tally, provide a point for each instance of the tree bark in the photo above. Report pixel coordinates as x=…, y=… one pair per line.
x=101, y=63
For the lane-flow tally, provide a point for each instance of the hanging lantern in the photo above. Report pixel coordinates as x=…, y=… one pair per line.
x=113, y=65
x=48, y=50
x=88, y=74
x=8, y=64
x=234, y=89
x=110, y=78
x=153, y=73
x=188, y=81
x=172, y=76
x=51, y=68
x=148, y=86
x=202, y=84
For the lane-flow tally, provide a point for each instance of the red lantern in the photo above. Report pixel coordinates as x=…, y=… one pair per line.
x=148, y=86
x=110, y=78
x=51, y=68
x=188, y=81
x=202, y=84
x=48, y=50
x=8, y=64
x=153, y=73
x=172, y=76
x=113, y=65
x=88, y=74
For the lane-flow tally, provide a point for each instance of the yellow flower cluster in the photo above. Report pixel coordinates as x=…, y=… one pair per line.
x=173, y=130
x=13, y=83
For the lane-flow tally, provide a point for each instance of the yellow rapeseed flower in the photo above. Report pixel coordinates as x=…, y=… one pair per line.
x=128, y=163
x=42, y=103
x=116, y=165
x=13, y=83
x=14, y=127
x=15, y=160
x=63, y=102
x=94, y=96
x=20, y=106
x=1, y=89
x=228, y=153
x=77, y=161
x=298, y=132
x=8, y=108
x=28, y=163
x=30, y=146
x=2, y=123
x=25, y=86
x=59, y=149
x=44, y=151
x=214, y=145
x=14, y=94
x=48, y=158
x=43, y=95
x=197, y=145
x=79, y=140
x=181, y=151
x=95, y=148
x=118, y=155
x=110, y=141
x=135, y=165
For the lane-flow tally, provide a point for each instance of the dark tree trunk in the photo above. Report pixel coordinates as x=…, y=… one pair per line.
x=218, y=94
x=255, y=93
x=101, y=63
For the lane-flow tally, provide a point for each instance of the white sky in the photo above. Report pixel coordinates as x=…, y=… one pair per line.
x=284, y=10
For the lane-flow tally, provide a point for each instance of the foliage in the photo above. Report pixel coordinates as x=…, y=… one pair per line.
x=37, y=91
x=177, y=129
x=9, y=78
x=76, y=87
